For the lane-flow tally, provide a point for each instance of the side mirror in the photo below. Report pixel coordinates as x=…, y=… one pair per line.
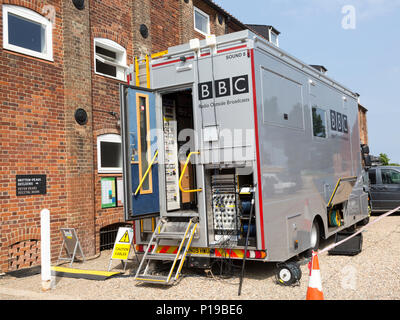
x=365, y=149
x=367, y=160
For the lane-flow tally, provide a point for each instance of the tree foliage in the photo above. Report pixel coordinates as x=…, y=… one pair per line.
x=386, y=161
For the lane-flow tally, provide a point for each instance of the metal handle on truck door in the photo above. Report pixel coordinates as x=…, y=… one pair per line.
x=183, y=172
x=146, y=173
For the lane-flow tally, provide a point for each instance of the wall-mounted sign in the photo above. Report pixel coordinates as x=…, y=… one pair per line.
x=108, y=193
x=120, y=192
x=31, y=184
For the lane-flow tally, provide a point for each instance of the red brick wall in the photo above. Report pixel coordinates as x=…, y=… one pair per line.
x=38, y=100
x=33, y=138
x=78, y=87
x=111, y=20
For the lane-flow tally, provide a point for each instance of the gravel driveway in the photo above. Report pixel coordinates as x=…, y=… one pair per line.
x=343, y=278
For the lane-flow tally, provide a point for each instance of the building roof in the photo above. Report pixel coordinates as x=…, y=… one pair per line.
x=226, y=13
x=263, y=29
x=238, y=22
x=362, y=108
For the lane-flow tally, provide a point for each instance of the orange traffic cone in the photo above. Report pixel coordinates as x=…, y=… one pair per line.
x=314, y=291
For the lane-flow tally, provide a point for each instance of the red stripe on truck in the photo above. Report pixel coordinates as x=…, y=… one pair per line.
x=169, y=62
x=253, y=75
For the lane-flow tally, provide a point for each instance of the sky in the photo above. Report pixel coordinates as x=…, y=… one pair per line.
x=358, y=41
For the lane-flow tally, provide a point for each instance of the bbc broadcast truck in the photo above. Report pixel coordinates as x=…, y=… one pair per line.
x=237, y=150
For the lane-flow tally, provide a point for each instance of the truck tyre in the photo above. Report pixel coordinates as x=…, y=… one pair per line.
x=288, y=273
x=315, y=236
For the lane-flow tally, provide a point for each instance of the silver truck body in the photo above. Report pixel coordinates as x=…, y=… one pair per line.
x=262, y=116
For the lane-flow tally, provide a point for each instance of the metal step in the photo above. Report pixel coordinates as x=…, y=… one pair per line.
x=170, y=235
x=163, y=256
x=181, y=214
x=152, y=279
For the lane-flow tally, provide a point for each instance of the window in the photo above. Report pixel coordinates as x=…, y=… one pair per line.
x=372, y=176
x=273, y=38
x=109, y=153
x=319, y=122
x=27, y=32
x=390, y=176
x=143, y=125
x=110, y=59
x=201, y=21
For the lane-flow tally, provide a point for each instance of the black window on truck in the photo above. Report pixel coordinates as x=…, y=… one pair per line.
x=319, y=122
x=372, y=176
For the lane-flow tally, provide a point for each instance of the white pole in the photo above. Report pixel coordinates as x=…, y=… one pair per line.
x=45, y=248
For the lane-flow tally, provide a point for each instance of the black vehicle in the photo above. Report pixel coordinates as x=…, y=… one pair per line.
x=384, y=188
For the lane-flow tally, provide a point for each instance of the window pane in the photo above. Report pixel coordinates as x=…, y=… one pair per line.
x=106, y=69
x=319, y=122
x=274, y=38
x=372, y=176
x=107, y=53
x=26, y=34
x=390, y=176
x=111, y=154
x=201, y=22
x=143, y=142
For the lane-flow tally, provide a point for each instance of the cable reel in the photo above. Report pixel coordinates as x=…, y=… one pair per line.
x=288, y=274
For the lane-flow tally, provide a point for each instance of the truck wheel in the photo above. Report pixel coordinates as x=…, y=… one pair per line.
x=315, y=236
x=288, y=273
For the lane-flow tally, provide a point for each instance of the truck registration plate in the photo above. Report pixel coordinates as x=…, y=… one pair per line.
x=199, y=251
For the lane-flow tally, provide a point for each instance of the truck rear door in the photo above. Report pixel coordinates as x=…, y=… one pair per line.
x=140, y=153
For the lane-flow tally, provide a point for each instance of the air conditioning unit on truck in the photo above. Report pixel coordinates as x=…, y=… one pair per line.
x=237, y=142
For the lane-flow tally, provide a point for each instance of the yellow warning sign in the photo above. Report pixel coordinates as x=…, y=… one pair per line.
x=125, y=238
x=122, y=243
x=121, y=251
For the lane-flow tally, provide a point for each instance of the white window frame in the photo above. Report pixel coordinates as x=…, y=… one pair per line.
x=208, y=21
x=35, y=18
x=120, y=64
x=270, y=37
x=111, y=137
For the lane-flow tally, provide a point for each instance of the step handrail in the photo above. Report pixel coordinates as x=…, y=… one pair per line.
x=146, y=173
x=179, y=250
x=183, y=172
x=186, y=251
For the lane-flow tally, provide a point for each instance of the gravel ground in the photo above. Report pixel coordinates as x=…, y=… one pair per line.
x=374, y=274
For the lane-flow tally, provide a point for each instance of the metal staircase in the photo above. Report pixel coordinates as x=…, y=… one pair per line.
x=152, y=253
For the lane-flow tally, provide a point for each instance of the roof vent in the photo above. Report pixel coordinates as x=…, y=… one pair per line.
x=321, y=69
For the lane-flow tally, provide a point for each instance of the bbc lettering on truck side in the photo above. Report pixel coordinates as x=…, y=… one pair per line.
x=224, y=87
x=339, y=122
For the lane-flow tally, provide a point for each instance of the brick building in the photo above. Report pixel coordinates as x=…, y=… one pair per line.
x=54, y=69
x=61, y=63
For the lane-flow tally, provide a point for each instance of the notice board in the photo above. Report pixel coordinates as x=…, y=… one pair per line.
x=108, y=192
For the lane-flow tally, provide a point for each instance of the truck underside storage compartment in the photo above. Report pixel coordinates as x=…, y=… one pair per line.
x=228, y=197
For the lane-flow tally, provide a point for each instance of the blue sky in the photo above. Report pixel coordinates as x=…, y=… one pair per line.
x=365, y=59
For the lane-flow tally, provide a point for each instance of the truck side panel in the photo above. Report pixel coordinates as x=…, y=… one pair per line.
x=301, y=156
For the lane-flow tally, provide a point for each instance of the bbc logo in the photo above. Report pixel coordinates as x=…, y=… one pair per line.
x=224, y=87
x=339, y=122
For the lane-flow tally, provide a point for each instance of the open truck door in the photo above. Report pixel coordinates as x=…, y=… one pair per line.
x=140, y=153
